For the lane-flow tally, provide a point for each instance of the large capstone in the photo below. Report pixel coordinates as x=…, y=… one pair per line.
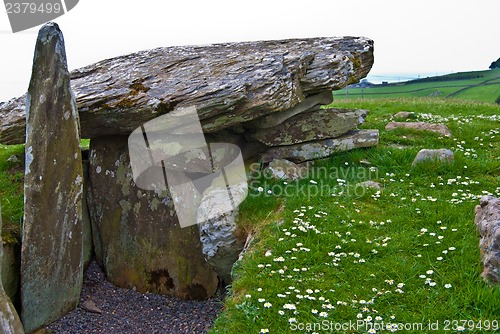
x=140, y=242
x=229, y=83
x=51, y=254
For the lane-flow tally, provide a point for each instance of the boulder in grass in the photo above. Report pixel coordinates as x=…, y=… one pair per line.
x=442, y=155
x=420, y=126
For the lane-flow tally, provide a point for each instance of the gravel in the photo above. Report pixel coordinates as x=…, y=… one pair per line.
x=127, y=311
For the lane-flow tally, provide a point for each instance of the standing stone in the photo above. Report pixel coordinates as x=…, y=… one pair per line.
x=51, y=254
x=9, y=320
x=141, y=244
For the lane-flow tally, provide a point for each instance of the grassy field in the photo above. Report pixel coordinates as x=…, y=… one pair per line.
x=11, y=191
x=329, y=256
x=333, y=257
x=475, y=86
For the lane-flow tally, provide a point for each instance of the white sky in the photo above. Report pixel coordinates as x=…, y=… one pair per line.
x=424, y=36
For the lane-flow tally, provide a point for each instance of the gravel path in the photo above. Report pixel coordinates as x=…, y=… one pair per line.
x=127, y=311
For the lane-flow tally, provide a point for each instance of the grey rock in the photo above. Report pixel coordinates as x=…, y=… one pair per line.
x=87, y=223
x=309, y=126
x=11, y=263
x=421, y=126
x=221, y=245
x=323, y=148
x=443, y=155
x=228, y=83
x=404, y=115
x=487, y=220
x=13, y=158
x=9, y=319
x=140, y=242
x=282, y=169
x=51, y=254
x=370, y=184
x=90, y=306
x=310, y=103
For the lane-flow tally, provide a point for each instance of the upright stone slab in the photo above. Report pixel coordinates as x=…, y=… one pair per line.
x=138, y=239
x=9, y=320
x=51, y=254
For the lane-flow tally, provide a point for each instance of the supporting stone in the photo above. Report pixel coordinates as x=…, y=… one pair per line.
x=313, y=125
x=142, y=245
x=323, y=148
x=9, y=319
x=51, y=254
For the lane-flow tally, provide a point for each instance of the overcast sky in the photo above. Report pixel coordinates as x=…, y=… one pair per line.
x=413, y=37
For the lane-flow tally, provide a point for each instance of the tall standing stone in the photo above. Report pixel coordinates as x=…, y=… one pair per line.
x=9, y=320
x=51, y=255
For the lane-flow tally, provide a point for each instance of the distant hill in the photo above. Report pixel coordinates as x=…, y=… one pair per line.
x=481, y=86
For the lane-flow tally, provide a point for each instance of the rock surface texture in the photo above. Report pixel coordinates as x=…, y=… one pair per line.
x=310, y=126
x=443, y=155
x=421, y=126
x=221, y=246
x=488, y=224
x=9, y=319
x=51, y=254
x=140, y=242
x=323, y=148
x=229, y=84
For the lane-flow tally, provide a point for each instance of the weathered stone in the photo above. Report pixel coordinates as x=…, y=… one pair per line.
x=404, y=115
x=309, y=126
x=228, y=83
x=487, y=221
x=421, y=126
x=51, y=254
x=11, y=263
x=323, y=148
x=90, y=306
x=217, y=224
x=13, y=158
x=9, y=319
x=282, y=169
x=369, y=184
x=141, y=243
x=310, y=103
x=87, y=224
x=443, y=155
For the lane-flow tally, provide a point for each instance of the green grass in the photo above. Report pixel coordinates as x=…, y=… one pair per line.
x=330, y=246
x=358, y=254
x=11, y=191
x=474, y=86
